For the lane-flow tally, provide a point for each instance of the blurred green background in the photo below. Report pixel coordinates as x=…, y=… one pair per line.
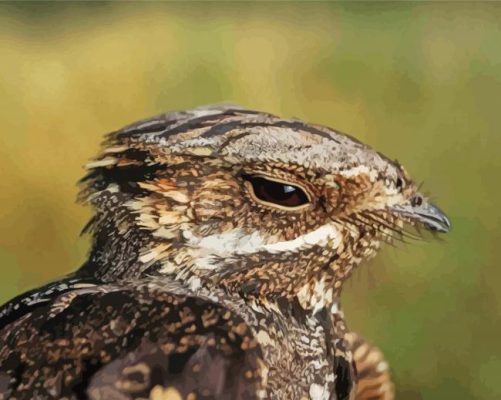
x=420, y=82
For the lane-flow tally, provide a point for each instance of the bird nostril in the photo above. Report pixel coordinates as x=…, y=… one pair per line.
x=416, y=200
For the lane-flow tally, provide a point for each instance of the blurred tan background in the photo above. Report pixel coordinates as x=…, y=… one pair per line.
x=421, y=82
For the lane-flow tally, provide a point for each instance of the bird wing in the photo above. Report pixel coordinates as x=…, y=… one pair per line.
x=129, y=342
x=373, y=376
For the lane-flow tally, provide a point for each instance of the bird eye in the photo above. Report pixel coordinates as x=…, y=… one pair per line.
x=275, y=192
x=100, y=185
x=399, y=183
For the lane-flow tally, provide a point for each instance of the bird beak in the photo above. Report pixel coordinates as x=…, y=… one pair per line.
x=420, y=210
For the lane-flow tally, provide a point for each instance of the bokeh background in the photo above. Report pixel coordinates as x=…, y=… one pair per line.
x=421, y=82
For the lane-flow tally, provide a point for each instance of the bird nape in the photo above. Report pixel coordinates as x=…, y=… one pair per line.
x=221, y=241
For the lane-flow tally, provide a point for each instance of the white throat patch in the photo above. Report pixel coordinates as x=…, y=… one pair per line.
x=235, y=243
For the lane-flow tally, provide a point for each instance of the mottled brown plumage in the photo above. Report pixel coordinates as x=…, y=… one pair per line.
x=221, y=240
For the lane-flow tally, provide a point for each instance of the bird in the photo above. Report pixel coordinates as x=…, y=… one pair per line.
x=221, y=240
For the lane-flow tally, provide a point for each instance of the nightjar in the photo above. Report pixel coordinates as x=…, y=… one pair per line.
x=221, y=241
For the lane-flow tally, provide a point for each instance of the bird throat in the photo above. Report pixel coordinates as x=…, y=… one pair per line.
x=310, y=268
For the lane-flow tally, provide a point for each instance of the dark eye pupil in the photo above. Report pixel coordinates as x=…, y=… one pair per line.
x=99, y=184
x=277, y=192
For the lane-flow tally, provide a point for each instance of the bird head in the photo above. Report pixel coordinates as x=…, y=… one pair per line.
x=260, y=205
